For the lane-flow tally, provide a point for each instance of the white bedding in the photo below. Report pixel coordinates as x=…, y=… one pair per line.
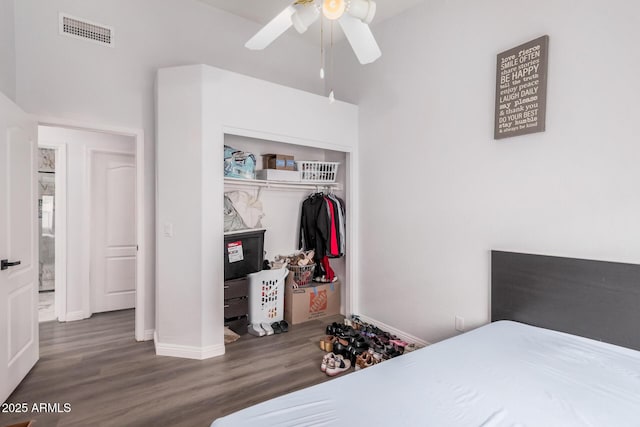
x=502, y=374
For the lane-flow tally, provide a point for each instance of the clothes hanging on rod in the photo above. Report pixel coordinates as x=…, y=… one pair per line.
x=323, y=229
x=340, y=224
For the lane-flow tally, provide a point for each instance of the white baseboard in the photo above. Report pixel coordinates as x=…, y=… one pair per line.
x=187, y=352
x=149, y=334
x=400, y=334
x=74, y=316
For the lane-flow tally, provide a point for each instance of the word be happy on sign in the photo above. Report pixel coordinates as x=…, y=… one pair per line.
x=521, y=89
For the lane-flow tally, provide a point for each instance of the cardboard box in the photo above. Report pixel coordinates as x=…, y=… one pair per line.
x=315, y=301
x=279, y=175
x=278, y=161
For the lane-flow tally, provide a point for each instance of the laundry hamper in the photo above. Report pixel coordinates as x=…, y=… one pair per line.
x=266, y=295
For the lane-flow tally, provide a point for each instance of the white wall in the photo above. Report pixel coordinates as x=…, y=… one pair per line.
x=78, y=143
x=74, y=80
x=7, y=49
x=438, y=193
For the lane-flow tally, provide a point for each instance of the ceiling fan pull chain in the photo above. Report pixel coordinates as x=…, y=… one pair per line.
x=332, y=98
x=322, y=47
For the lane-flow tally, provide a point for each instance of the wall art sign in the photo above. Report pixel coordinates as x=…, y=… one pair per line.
x=521, y=89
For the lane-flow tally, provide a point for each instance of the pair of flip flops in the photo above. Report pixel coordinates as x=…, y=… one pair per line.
x=280, y=327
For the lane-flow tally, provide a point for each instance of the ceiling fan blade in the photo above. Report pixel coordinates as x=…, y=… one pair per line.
x=306, y=14
x=272, y=30
x=361, y=39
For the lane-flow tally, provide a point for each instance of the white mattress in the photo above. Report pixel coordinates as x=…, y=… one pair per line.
x=502, y=374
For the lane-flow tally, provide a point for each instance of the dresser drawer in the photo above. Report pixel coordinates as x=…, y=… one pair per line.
x=236, y=307
x=237, y=288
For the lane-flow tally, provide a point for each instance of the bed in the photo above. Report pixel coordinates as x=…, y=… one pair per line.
x=549, y=358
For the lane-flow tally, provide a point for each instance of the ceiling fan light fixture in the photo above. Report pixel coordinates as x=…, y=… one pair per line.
x=333, y=9
x=364, y=10
x=305, y=16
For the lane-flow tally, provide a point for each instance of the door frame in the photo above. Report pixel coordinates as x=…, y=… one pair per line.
x=141, y=260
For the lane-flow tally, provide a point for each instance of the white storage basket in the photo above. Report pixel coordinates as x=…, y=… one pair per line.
x=313, y=171
x=266, y=295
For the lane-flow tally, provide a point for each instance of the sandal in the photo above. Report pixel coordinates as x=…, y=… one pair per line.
x=276, y=328
x=360, y=361
x=334, y=329
x=326, y=343
x=325, y=360
x=399, y=343
x=364, y=360
x=376, y=355
x=359, y=342
x=340, y=346
x=337, y=366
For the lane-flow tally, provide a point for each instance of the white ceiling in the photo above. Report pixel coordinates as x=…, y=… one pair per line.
x=262, y=11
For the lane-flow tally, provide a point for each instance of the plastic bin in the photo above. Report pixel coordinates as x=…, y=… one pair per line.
x=266, y=295
x=243, y=253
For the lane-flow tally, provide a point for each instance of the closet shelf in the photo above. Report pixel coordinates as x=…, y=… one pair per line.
x=281, y=184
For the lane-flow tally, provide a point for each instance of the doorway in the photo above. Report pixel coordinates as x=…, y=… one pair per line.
x=98, y=265
x=46, y=234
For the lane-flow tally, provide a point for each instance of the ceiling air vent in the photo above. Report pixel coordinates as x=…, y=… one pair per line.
x=82, y=29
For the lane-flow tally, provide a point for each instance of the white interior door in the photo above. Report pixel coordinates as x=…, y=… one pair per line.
x=19, y=345
x=113, y=231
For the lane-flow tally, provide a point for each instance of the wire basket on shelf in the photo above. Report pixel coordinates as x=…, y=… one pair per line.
x=313, y=171
x=302, y=274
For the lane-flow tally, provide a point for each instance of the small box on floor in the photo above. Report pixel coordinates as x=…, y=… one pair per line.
x=314, y=301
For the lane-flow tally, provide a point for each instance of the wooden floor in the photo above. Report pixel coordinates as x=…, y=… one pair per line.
x=111, y=380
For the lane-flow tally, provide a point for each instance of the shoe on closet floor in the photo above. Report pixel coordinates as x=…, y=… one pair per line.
x=284, y=326
x=325, y=361
x=337, y=366
x=267, y=328
x=256, y=330
x=276, y=327
x=324, y=279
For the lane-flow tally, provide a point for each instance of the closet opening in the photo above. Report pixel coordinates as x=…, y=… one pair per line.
x=273, y=205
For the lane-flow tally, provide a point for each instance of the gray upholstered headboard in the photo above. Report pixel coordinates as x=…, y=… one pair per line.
x=593, y=299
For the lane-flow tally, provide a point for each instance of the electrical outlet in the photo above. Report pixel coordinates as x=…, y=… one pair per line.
x=460, y=323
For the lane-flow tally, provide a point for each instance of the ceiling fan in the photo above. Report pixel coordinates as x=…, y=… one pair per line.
x=354, y=17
